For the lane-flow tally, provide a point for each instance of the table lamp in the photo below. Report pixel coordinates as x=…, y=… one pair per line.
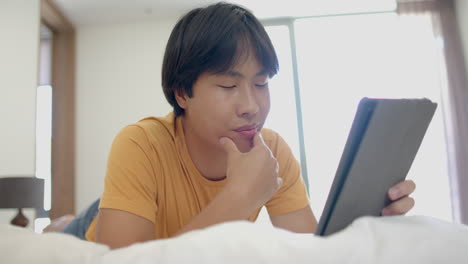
x=21, y=192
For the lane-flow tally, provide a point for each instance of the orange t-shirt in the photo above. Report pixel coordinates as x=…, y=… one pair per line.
x=150, y=174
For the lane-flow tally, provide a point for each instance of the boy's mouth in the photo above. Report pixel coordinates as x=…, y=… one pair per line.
x=248, y=133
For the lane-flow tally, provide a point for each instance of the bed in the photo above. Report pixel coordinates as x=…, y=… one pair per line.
x=396, y=239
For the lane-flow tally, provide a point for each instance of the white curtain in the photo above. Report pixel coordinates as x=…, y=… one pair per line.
x=454, y=95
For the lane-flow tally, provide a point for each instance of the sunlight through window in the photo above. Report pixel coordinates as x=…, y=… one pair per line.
x=342, y=59
x=44, y=140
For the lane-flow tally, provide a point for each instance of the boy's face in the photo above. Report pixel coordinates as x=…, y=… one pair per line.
x=233, y=104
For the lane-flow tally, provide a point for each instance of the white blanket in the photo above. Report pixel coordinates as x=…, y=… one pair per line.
x=368, y=240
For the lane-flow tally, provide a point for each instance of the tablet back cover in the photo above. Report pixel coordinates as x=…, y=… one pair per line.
x=382, y=144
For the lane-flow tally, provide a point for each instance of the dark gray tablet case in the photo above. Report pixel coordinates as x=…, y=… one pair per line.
x=381, y=146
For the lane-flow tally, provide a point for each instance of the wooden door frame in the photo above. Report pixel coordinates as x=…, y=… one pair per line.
x=63, y=109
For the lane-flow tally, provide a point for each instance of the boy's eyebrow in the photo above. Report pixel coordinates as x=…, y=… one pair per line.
x=238, y=74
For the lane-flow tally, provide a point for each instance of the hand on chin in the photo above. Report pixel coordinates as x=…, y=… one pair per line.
x=244, y=145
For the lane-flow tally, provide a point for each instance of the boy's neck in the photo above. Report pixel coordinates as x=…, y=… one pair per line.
x=211, y=162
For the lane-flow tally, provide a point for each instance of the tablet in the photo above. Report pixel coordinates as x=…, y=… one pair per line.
x=382, y=144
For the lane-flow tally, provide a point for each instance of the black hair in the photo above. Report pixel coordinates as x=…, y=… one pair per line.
x=212, y=39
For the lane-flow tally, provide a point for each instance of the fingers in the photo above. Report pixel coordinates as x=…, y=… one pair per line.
x=399, y=207
x=228, y=145
x=401, y=189
x=400, y=195
x=279, y=180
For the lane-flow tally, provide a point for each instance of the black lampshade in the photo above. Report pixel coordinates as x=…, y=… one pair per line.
x=21, y=192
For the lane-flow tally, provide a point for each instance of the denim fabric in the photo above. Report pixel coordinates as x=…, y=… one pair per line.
x=80, y=224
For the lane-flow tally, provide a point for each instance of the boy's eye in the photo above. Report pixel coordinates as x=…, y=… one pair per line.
x=262, y=85
x=227, y=87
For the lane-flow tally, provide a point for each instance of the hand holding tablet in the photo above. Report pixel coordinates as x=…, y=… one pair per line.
x=382, y=144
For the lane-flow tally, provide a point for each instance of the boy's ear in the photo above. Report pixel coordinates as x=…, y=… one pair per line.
x=181, y=99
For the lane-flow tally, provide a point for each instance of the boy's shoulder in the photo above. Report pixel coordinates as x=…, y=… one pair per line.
x=268, y=134
x=277, y=145
x=160, y=125
x=154, y=129
x=272, y=139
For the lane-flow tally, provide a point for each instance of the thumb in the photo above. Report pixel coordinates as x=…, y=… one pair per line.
x=228, y=145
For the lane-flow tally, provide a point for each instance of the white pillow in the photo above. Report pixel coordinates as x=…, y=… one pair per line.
x=373, y=240
x=395, y=239
x=20, y=245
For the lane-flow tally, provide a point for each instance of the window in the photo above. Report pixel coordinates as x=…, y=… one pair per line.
x=44, y=125
x=344, y=58
x=283, y=119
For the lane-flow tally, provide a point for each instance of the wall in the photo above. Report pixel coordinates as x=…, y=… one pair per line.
x=19, y=27
x=118, y=83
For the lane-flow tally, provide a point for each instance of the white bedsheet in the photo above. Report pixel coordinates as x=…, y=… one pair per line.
x=411, y=239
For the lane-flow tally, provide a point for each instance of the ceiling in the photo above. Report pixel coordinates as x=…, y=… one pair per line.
x=85, y=12
x=91, y=12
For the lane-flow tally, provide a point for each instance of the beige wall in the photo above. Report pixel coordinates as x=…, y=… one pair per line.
x=19, y=27
x=118, y=83
x=462, y=17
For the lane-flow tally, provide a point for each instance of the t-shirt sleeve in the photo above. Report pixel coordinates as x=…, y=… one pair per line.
x=292, y=194
x=130, y=184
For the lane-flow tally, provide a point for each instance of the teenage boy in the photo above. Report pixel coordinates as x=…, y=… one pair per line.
x=210, y=161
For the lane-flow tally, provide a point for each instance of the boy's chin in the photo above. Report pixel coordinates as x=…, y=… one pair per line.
x=244, y=146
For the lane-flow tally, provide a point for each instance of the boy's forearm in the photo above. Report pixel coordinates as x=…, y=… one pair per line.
x=227, y=206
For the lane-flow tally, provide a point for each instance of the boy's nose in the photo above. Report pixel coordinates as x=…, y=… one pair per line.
x=247, y=104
